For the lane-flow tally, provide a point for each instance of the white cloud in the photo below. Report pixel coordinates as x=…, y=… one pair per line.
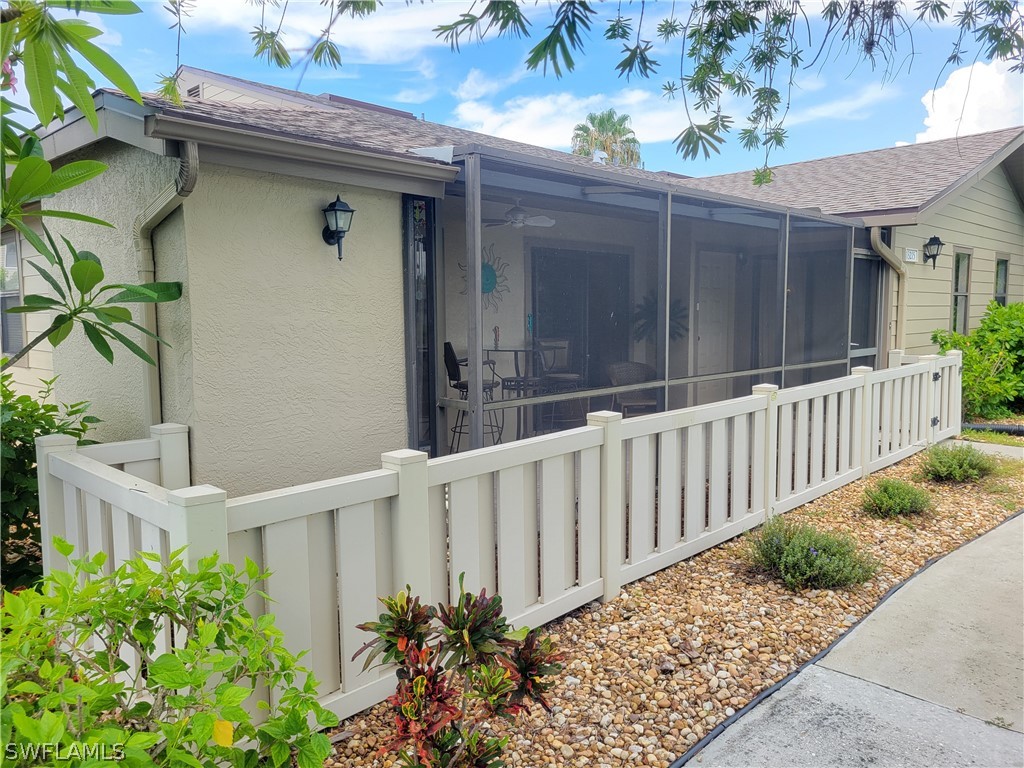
x=417, y=95
x=368, y=40
x=478, y=84
x=974, y=99
x=856, y=106
x=548, y=120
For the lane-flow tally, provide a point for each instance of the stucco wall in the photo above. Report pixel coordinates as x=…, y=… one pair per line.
x=133, y=178
x=297, y=359
x=174, y=321
x=985, y=220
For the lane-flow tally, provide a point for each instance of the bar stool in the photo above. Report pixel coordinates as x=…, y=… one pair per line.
x=493, y=425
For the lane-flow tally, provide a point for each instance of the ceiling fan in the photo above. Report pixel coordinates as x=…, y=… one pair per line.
x=517, y=217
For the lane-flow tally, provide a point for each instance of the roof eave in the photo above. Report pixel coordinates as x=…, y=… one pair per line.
x=163, y=126
x=947, y=195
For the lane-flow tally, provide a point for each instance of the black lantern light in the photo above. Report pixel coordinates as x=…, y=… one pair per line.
x=339, y=220
x=932, y=249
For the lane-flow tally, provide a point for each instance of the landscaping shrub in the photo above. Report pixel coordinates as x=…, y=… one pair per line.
x=23, y=418
x=993, y=362
x=460, y=667
x=956, y=464
x=65, y=682
x=891, y=498
x=801, y=556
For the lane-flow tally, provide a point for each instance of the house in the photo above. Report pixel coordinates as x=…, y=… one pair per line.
x=966, y=191
x=548, y=272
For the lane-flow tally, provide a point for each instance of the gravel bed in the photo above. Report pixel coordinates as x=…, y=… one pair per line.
x=649, y=674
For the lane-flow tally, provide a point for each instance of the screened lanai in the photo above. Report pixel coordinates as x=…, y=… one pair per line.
x=561, y=288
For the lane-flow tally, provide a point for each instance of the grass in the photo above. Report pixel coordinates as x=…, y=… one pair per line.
x=996, y=438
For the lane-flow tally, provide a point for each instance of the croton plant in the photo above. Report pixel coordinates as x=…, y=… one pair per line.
x=460, y=668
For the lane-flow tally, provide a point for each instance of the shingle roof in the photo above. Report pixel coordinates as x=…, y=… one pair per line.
x=358, y=127
x=883, y=180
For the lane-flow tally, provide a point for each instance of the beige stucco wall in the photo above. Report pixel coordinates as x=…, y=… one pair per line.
x=984, y=220
x=287, y=365
x=297, y=359
x=133, y=178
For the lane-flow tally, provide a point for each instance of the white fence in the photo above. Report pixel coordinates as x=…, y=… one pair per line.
x=552, y=522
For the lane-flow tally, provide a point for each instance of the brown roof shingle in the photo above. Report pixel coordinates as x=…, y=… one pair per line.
x=882, y=180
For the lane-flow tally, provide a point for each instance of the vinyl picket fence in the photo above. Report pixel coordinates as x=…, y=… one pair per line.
x=551, y=523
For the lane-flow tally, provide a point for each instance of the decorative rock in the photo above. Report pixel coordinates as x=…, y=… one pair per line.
x=727, y=635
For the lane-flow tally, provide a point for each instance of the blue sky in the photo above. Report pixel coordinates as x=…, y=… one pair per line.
x=393, y=58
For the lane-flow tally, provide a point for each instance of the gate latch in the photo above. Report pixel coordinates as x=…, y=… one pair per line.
x=936, y=376
x=935, y=421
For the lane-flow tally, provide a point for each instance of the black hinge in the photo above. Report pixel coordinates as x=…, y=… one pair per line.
x=935, y=421
x=936, y=376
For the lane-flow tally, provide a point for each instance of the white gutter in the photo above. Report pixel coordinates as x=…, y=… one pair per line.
x=142, y=234
x=887, y=254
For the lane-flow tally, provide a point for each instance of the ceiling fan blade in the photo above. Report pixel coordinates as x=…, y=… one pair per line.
x=539, y=221
x=494, y=222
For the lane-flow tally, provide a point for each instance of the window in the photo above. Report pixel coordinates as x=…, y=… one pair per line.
x=1002, y=266
x=12, y=326
x=961, y=290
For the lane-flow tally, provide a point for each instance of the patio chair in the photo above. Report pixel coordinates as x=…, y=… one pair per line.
x=554, y=357
x=639, y=401
x=492, y=419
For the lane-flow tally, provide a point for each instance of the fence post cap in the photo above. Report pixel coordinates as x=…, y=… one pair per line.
x=167, y=429
x=403, y=456
x=603, y=417
x=195, y=495
x=56, y=441
x=956, y=353
x=862, y=369
x=759, y=388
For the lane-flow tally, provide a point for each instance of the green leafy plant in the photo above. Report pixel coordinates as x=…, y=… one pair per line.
x=993, y=362
x=891, y=498
x=187, y=703
x=50, y=49
x=956, y=464
x=801, y=556
x=459, y=666
x=23, y=418
x=83, y=299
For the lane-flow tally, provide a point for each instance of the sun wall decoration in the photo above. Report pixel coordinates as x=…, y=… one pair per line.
x=493, y=278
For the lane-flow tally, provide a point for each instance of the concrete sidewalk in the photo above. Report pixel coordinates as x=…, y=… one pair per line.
x=933, y=677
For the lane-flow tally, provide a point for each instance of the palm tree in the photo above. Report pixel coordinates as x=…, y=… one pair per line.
x=610, y=133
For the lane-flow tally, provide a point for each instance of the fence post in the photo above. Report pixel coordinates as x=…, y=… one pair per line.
x=895, y=358
x=770, y=449
x=956, y=389
x=200, y=515
x=412, y=533
x=174, y=459
x=867, y=431
x=51, y=495
x=934, y=400
x=613, y=503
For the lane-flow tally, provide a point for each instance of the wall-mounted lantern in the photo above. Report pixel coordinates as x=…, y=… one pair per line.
x=932, y=249
x=339, y=221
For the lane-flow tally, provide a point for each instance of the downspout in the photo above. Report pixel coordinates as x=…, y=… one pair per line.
x=142, y=234
x=889, y=257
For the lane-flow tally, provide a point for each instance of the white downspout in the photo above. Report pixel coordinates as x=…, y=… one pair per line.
x=887, y=254
x=142, y=234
